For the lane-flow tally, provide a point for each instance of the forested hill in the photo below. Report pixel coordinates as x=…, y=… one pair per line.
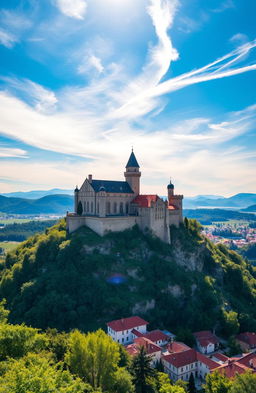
x=83, y=281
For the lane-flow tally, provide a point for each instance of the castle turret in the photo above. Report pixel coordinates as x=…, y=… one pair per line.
x=76, y=191
x=170, y=189
x=133, y=174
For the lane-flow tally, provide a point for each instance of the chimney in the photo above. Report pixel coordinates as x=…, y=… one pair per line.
x=90, y=178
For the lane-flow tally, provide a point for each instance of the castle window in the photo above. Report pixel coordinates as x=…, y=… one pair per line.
x=108, y=207
x=91, y=207
x=127, y=208
x=121, y=208
x=87, y=207
x=98, y=208
x=115, y=207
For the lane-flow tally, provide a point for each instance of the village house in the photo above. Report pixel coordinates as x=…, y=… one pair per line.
x=247, y=341
x=152, y=350
x=206, y=341
x=181, y=364
x=121, y=329
x=156, y=336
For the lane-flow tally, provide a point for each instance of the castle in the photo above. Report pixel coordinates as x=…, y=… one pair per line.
x=106, y=205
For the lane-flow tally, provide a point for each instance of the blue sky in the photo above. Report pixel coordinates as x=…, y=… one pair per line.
x=84, y=80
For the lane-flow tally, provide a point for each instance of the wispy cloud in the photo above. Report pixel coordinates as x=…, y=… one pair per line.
x=73, y=8
x=9, y=152
x=225, y=5
x=7, y=39
x=90, y=63
x=44, y=100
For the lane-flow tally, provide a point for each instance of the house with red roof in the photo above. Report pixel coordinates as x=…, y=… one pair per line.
x=152, y=350
x=181, y=365
x=121, y=330
x=113, y=206
x=246, y=341
x=206, y=341
x=156, y=336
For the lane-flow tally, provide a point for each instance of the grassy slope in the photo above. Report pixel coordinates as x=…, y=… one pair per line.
x=61, y=281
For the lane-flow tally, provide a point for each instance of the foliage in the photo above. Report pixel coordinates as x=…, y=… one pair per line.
x=165, y=385
x=94, y=358
x=17, y=340
x=19, y=232
x=191, y=384
x=142, y=372
x=3, y=312
x=64, y=281
x=34, y=374
x=217, y=383
x=244, y=383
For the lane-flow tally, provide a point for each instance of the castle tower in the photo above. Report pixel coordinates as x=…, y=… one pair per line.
x=174, y=200
x=132, y=174
x=76, y=191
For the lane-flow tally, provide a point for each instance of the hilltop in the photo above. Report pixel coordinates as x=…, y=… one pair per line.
x=83, y=280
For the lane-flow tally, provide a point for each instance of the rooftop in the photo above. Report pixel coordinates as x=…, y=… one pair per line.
x=145, y=200
x=126, y=323
x=112, y=186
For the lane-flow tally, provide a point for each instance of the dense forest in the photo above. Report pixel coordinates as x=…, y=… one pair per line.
x=19, y=232
x=82, y=281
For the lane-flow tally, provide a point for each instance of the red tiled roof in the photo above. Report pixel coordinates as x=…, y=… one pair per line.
x=205, y=338
x=220, y=356
x=156, y=335
x=248, y=338
x=184, y=358
x=137, y=333
x=211, y=364
x=177, y=347
x=139, y=342
x=145, y=200
x=247, y=359
x=231, y=369
x=181, y=359
x=126, y=323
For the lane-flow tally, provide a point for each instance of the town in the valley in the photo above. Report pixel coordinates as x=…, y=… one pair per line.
x=179, y=360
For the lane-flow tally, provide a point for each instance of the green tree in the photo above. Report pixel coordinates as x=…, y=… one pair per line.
x=17, y=340
x=244, y=383
x=3, y=312
x=80, y=208
x=230, y=324
x=122, y=382
x=93, y=357
x=141, y=371
x=165, y=385
x=191, y=384
x=34, y=373
x=217, y=383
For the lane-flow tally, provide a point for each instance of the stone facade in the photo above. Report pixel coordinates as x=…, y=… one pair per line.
x=105, y=205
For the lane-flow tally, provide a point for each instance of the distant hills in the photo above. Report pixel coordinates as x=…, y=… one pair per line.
x=35, y=194
x=208, y=216
x=50, y=204
x=251, y=208
x=238, y=201
x=58, y=201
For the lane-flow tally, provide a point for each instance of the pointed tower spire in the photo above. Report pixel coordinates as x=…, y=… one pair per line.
x=132, y=173
x=132, y=162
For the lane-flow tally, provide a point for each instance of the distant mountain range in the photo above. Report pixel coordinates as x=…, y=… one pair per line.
x=50, y=204
x=238, y=201
x=58, y=201
x=37, y=193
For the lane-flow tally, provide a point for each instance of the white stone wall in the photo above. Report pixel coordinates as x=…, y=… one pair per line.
x=125, y=336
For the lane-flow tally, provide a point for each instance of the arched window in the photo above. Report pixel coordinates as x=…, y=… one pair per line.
x=108, y=207
x=127, y=208
x=115, y=207
x=121, y=208
x=91, y=207
x=87, y=207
